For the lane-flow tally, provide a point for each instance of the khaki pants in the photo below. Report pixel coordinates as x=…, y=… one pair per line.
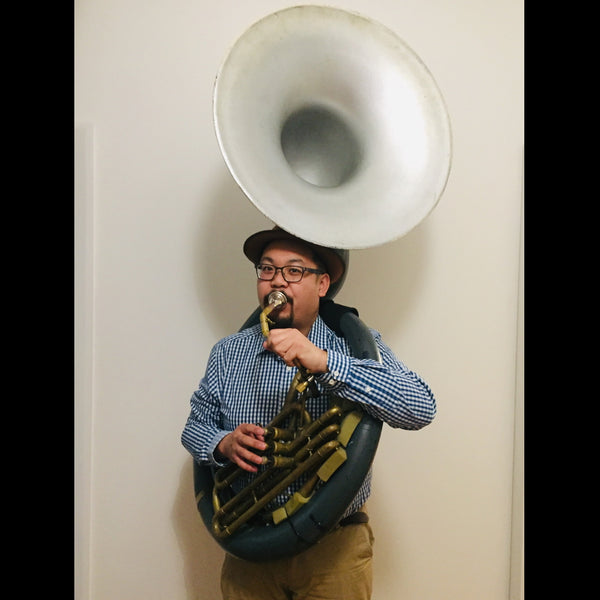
x=338, y=567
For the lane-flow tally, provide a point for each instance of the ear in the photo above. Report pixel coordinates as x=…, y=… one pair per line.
x=324, y=284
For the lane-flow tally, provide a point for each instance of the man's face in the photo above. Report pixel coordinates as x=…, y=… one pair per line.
x=303, y=296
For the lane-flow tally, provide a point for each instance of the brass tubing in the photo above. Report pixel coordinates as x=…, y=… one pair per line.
x=227, y=475
x=277, y=479
x=257, y=486
x=249, y=495
x=314, y=461
x=307, y=489
x=237, y=507
x=323, y=435
x=275, y=433
x=308, y=438
x=293, y=389
x=298, y=449
x=281, y=462
x=275, y=448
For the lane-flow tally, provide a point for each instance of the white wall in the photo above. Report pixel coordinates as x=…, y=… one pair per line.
x=161, y=277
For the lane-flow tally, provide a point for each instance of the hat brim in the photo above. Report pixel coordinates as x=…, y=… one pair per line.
x=255, y=244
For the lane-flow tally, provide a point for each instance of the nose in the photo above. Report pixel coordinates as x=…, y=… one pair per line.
x=278, y=280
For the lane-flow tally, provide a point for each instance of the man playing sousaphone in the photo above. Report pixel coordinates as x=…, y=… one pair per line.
x=245, y=386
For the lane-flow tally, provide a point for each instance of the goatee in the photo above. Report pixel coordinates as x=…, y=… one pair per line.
x=284, y=323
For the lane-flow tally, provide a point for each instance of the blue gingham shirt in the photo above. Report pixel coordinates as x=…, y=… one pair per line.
x=244, y=383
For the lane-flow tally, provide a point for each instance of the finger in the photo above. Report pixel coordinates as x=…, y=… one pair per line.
x=284, y=349
x=249, y=441
x=244, y=465
x=251, y=429
x=247, y=460
x=252, y=436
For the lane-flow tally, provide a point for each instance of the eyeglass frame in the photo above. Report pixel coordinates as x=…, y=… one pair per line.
x=303, y=269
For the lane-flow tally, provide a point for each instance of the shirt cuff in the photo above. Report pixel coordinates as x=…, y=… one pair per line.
x=213, y=454
x=338, y=366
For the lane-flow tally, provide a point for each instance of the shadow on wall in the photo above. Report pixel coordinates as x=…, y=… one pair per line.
x=202, y=555
x=225, y=287
x=383, y=282
x=225, y=279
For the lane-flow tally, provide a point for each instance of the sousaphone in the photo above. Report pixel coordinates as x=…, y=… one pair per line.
x=333, y=127
x=336, y=131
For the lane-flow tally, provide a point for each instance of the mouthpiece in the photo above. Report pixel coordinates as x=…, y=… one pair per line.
x=277, y=298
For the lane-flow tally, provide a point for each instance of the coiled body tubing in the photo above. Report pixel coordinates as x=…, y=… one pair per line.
x=298, y=532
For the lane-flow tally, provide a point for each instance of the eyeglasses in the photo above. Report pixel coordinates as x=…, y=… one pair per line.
x=291, y=274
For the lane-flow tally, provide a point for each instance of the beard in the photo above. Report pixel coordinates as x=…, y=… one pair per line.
x=283, y=323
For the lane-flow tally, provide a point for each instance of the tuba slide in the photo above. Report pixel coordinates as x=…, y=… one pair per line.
x=337, y=132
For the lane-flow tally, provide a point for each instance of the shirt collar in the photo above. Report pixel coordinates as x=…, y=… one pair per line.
x=319, y=333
